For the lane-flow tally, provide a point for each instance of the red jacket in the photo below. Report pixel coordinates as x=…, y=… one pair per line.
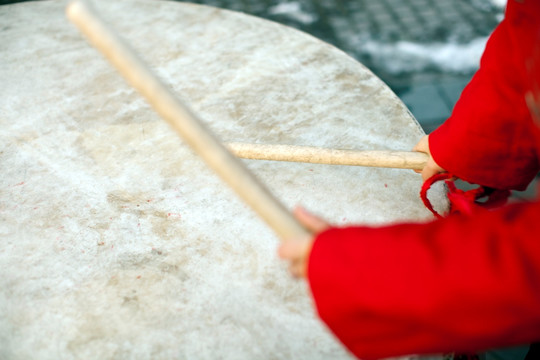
x=462, y=283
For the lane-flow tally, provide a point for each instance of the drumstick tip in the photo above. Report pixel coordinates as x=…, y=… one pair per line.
x=75, y=8
x=71, y=8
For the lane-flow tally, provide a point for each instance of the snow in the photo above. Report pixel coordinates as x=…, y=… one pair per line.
x=294, y=11
x=405, y=56
x=498, y=3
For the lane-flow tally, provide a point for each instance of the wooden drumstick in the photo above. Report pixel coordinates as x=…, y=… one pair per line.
x=375, y=158
x=184, y=121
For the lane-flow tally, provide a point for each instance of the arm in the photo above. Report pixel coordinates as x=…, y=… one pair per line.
x=458, y=284
x=488, y=138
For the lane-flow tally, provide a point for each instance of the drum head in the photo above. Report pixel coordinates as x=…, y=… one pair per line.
x=118, y=242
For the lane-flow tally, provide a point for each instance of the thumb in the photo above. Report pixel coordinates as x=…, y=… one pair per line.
x=431, y=169
x=311, y=222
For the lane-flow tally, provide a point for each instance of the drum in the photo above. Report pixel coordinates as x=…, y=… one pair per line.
x=117, y=241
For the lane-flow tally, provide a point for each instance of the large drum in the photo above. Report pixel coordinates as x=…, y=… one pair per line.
x=117, y=241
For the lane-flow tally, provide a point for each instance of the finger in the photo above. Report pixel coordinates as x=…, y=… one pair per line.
x=422, y=146
x=311, y=222
x=287, y=250
x=292, y=250
x=296, y=252
x=431, y=169
x=298, y=269
x=428, y=172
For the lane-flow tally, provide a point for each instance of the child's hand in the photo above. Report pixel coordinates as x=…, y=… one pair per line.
x=297, y=250
x=431, y=167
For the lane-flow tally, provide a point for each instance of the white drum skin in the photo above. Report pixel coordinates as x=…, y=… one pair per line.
x=117, y=241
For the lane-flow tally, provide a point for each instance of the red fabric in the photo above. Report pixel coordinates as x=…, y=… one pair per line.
x=463, y=202
x=457, y=284
x=469, y=281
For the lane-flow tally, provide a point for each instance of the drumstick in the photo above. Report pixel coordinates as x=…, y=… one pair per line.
x=375, y=158
x=184, y=121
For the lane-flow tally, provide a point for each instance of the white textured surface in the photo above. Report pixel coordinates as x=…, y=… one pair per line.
x=117, y=242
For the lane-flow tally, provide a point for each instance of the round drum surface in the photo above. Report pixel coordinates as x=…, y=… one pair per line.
x=117, y=241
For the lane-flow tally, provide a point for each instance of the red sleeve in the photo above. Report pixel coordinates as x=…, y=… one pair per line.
x=487, y=140
x=457, y=284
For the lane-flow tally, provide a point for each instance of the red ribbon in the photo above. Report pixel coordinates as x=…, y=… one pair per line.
x=463, y=202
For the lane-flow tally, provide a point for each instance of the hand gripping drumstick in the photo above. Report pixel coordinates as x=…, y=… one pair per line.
x=377, y=158
x=184, y=121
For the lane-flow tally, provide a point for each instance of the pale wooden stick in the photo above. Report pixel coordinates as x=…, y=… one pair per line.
x=184, y=121
x=375, y=158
